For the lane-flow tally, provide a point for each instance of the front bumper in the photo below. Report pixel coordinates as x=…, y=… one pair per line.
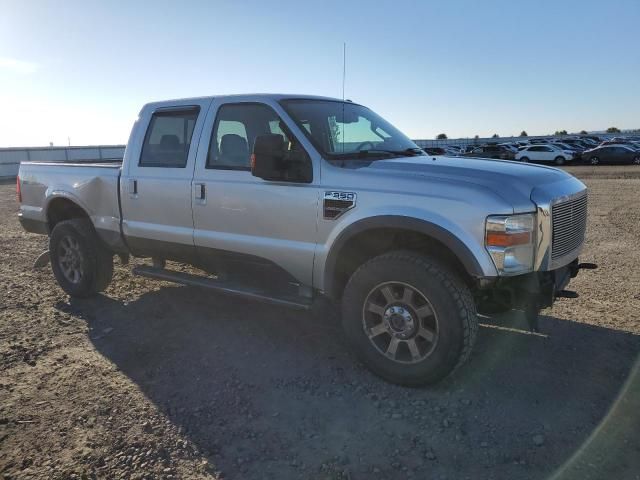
x=533, y=290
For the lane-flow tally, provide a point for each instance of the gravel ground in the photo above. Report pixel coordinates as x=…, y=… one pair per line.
x=152, y=380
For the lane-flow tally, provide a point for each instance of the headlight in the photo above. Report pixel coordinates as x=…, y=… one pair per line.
x=509, y=239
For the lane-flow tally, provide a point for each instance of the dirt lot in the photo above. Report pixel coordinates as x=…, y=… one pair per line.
x=152, y=380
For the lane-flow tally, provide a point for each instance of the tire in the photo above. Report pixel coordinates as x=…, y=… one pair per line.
x=81, y=264
x=524, y=159
x=636, y=161
x=594, y=161
x=451, y=324
x=559, y=160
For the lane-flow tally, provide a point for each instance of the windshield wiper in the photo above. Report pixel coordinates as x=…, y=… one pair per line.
x=406, y=151
x=375, y=152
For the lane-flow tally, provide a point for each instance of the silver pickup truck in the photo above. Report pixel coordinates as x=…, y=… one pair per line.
x=288, y=199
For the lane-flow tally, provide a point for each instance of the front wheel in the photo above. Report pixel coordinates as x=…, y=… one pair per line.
x=636, y=161
x=594, y=160
x=560, y=160
x=524, y=159
x=81, y=264
x=410, y=319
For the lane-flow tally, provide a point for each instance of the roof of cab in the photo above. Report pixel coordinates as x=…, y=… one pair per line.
x=248, y=97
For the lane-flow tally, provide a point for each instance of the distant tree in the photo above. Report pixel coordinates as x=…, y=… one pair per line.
x=560, y=132
x=441, y=136
x=495, y=135
x=524, y=133
x=613, y=130
x=583, y=132
x=477, y=137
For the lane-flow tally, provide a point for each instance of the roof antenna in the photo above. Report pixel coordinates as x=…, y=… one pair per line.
x=344, y=66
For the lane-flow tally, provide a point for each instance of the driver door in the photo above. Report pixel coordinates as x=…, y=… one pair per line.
x=243, y=221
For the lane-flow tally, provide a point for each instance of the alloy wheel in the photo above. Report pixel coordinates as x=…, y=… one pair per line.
x=70, y=259
x=400, y=322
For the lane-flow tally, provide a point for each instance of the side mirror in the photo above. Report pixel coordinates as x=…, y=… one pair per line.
x=267, y=159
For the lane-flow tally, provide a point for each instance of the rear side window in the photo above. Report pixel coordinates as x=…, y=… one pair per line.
x=168, y=138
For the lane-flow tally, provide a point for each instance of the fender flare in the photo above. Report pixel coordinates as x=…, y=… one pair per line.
x=63, y=195
x=444, y=236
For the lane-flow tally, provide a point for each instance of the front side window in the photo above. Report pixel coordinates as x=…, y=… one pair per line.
x=344, y=130
x=168, y=138
x=235, y=130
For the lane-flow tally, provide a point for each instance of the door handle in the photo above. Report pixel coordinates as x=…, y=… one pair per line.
x=200, y=191
x=133, y=187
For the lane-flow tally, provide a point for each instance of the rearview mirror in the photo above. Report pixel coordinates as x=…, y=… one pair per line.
x=267, y=160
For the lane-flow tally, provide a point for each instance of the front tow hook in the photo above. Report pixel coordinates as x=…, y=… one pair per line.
x=587, y=266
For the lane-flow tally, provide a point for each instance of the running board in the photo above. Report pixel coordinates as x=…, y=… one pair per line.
x=221, y=286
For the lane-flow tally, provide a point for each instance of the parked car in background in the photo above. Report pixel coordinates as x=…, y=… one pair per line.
x=616, y=141
x=590, y=141
x=509, y=146
x=578, y=143
x=498, y=152
x=434, y=151
x=452, y=150
x=545, y=153
x=577, y=151
x=538, y=141
x=611, y=154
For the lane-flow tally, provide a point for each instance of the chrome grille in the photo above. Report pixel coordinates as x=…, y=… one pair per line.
x=569, y=224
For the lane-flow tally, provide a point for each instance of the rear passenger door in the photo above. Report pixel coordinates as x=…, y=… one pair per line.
x=155, y=187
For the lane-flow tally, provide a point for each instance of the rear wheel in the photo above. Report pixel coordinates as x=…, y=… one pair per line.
x=559, y=160
x=636, y=161
x=410, y=319
x=594, y=160
x=81, y=264
x=525, y=159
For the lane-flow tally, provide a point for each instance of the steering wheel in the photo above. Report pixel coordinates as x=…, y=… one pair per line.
x=361, y=146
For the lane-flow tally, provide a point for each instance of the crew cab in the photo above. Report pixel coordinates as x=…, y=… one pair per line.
x=290, y=199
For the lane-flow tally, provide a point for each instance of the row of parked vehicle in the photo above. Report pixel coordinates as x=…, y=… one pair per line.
x=589, y=149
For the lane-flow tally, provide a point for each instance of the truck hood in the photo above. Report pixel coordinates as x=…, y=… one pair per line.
x=512, y=181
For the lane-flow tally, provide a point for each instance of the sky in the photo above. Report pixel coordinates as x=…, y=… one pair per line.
x=79, y=71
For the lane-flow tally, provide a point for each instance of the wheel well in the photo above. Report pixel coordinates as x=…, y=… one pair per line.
x=61, y=209
x=371, y=243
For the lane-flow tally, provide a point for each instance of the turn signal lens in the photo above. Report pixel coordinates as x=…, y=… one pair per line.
x=18, y=190
x=509, y=240
x=501, y=239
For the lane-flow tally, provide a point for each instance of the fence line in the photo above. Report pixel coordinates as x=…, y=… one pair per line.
x=10, y=158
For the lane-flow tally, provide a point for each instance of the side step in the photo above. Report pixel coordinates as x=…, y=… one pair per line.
x=221, y=286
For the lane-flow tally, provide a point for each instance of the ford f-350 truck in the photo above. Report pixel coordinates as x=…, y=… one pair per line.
x=287, y=198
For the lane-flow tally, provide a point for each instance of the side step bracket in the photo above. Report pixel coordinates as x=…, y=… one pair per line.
x=222, y=286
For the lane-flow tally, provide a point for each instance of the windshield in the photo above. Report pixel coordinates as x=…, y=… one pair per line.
x=344, y=130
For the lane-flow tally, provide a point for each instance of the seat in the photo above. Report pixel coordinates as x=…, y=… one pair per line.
x=234, y=151
x=169, y=142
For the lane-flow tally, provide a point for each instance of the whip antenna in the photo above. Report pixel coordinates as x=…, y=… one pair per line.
x=344, y=66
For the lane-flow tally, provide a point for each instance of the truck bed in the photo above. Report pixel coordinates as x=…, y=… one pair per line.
x=115, y=163
x=91, y=185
